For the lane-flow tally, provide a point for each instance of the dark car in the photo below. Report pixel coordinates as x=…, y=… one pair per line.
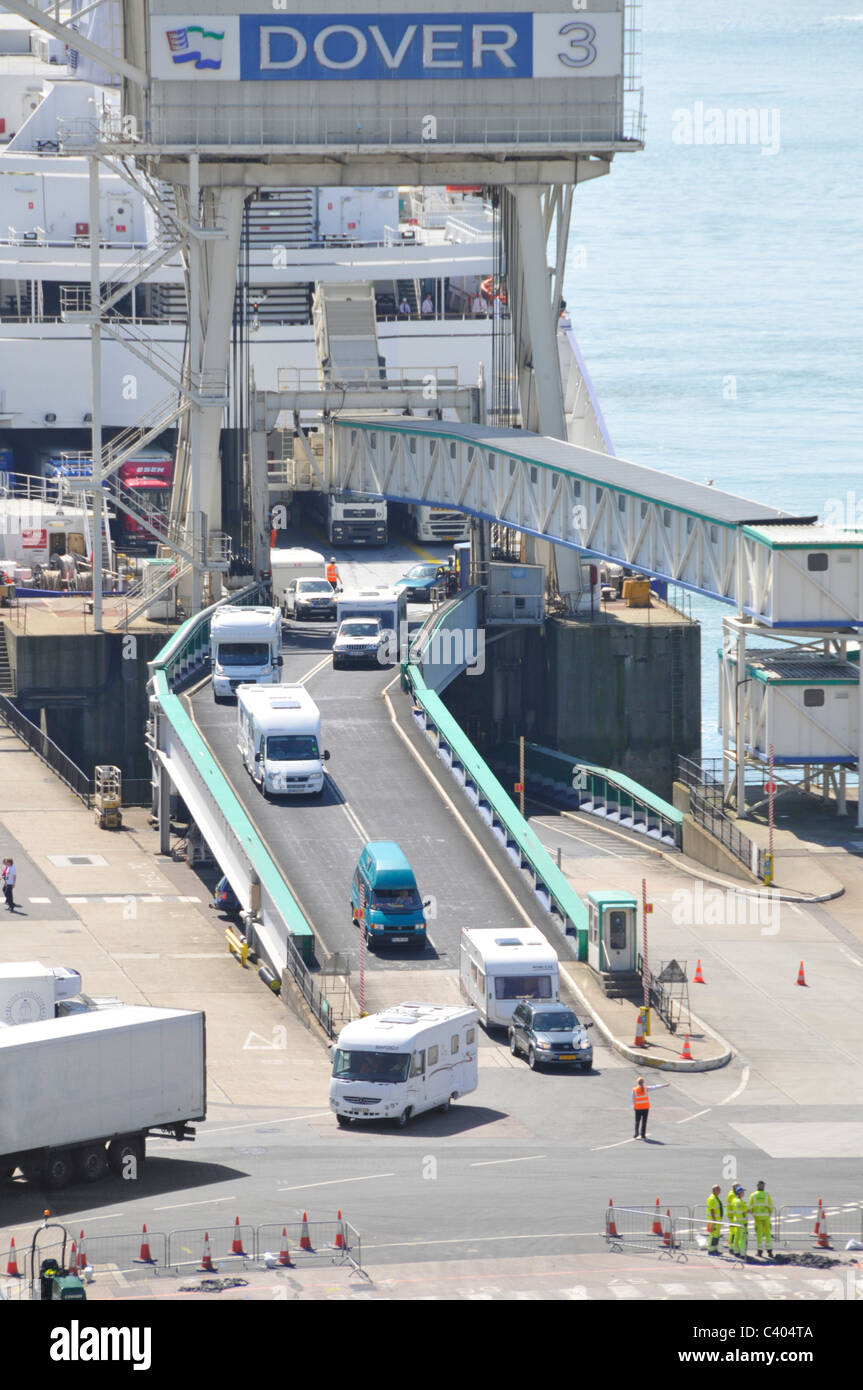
x=549, y=1034
x=225, y=899
x=421, y=579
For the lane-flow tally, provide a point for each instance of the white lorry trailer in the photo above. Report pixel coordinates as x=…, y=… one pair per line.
x=287, y=563
x=279, y=738
x=499, y=968
x=410, y=1058
x=245, y=647
x=82, y=1094
x=30, y=991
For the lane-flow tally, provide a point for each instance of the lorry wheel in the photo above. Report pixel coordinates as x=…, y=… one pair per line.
x=404, y=1117
x=58, y=1170
x=91, y=1163
x=125, y=1157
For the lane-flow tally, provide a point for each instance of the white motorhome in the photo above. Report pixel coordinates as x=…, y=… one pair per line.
x=410, y=1058
x=498, y=968
x=294, y=563
x=245, y=647
x=279, y=737
x=389, y=606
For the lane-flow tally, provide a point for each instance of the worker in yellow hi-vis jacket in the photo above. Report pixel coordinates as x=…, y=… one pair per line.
x=761, y=1209
x=714, y=1220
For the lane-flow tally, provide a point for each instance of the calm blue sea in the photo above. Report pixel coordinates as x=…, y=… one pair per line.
x=716, y=290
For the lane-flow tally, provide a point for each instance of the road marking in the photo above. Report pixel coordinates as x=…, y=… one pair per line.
x=335, y=1182
x=742, y=1087
x=198, y=955
x=110, y=1217
x=355, y=822
x=490, y=1162
x=325, y=661
x=38, y=900
x=256, y=1124
x=482, y=1240
x=556, y=830
x=687, y=1118
x=76, y=901
x=843, y=949
x=209, y=1202
x=618, y=1145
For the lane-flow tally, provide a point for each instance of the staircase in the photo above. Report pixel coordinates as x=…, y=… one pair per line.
x=409, y=290
x=7, y=676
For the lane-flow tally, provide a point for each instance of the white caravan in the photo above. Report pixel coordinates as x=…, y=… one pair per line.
x=279, y=737
x=294, y=563
x=245, y=647
x=410, y=1058
x=498, y=968
x=389, y=606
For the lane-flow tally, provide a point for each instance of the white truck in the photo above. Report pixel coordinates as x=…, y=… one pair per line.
x=428, y=523
x=82, y=1094
x=245, y=647
x=497, y=969
x=410, y=1058
x=294, y=562
x=279, y=738
x=352, y=519
x=31, y=991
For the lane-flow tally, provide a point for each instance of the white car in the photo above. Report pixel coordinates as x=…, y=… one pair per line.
x=359, y=640
x=310, y=598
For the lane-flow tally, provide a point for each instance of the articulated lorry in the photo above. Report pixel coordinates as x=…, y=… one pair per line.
x=81, y=1094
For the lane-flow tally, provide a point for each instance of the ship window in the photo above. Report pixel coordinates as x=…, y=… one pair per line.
x=818, y=561
x=576, y=488
x=534, y=474
x=413, y=444
x=598, y=495
x=491, y=462
x=373, y=441
x=813, y=699
x=452, y=449
x=666, y=518
x=690, y=522
x=643, y=510
x=714, y=534
x=511, y=467
x=621, y=502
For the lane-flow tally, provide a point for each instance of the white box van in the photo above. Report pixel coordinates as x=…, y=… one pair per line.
x=294, y=563
x=410, y=1058
x=389, y=606
x=245, y=647
x=498, y=968
x=279, y=738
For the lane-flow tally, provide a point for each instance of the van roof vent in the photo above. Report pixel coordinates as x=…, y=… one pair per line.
x=508, y=941
x=285, y=704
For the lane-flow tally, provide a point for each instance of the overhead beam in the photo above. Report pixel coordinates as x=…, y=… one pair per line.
x=78, y=41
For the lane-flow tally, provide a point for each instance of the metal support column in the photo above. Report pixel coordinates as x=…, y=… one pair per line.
x=199, y=555
x=164, y=811
x=96, y=392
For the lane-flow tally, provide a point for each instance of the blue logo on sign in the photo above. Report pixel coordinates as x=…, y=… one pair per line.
x=313, y=48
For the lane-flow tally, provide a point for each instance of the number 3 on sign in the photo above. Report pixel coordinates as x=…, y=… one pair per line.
x=583, y=37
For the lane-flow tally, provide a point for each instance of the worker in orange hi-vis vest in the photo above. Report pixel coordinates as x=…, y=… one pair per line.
x=641, y=1104
x=333, y=573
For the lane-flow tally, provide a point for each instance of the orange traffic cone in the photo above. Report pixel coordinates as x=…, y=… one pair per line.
x=817, y=1228
x=237, y=1244
x=639, y=1032
x=73, y=1259
x=12, y=1269
x=82, y=1258
x=698, y=978
x=206, y=1266
x=801, y=978
x=305, y=1242
x=686, y=1055
x=667, y=1238
x=656, y=1228
x=823, y=1241
x=284, y=1253
x=610, y=1224
x=340, y=1233
x=145, y=1258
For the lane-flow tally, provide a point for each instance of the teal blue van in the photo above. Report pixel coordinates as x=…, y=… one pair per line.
x=385, y=899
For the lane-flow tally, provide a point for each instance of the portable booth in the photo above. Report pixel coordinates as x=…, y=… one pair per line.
x=611, y=932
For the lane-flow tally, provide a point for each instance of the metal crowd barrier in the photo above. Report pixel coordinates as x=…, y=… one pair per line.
x=645, y=1228
x=795, y=1226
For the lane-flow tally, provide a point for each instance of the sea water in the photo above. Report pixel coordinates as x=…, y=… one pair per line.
x=716, y=289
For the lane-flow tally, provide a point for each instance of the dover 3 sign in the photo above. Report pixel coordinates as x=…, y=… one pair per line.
x=373, y=47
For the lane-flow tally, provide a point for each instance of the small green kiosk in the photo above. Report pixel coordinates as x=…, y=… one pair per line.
x=611, y=932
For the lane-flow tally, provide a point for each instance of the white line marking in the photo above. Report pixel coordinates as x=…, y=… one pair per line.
x=256, y=1124
x=618, y=1145
x=687, y=1118
x=209, y=1202
x=482, y=1240
x=76, y=901
x=335, y=1182
x=38, y=900
x=188, y=899
x=490, y=1162
x=198, y=955
x=843, y=949
x=556, y=830
x=742, y=1087
x=355, y=822
x=90, y=1219
x=315, y=669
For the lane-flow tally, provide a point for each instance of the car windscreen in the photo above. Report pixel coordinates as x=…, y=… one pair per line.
x=292, y=748
x=314, y=586
x=396, y=899
x=359, y=630
x=243, y=653
x=377, y=1067
x=422, y=572
x=522, y=987
x=562, y=1022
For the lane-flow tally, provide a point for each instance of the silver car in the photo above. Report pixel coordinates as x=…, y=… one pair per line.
x=549, y=1034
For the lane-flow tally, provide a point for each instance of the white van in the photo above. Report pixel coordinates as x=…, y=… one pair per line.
x=245, y=647
x=499, y=968
x=279, y=738
x=294, y=563
x=389, y=606
x=410, y=1058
